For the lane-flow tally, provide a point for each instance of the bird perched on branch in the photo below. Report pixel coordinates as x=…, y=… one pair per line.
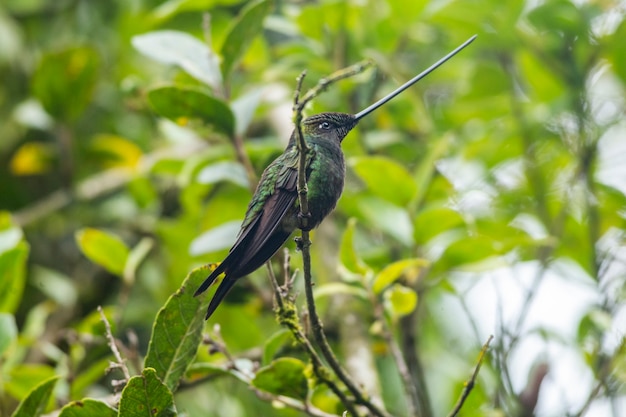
x=274, y=211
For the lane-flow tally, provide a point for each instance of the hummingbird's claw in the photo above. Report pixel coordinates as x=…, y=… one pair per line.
x=303, y=221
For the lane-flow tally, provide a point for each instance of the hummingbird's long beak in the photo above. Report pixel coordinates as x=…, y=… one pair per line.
x=412, y=81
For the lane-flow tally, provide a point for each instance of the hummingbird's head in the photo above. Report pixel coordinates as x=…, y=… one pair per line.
x=330, y=126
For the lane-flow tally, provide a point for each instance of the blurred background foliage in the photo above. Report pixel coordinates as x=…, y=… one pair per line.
x=132, y=132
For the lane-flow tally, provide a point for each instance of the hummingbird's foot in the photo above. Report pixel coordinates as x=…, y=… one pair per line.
x=303, y=221
x=298, y=241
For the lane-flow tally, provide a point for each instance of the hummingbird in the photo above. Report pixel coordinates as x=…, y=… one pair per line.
x=274, y=213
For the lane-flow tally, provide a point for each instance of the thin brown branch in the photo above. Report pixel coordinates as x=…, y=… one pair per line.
x=287, y=316
x=305, y=242
x=119, y=361
x=469, y=384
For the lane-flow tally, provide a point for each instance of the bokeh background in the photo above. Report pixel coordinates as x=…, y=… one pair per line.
x=132, y=131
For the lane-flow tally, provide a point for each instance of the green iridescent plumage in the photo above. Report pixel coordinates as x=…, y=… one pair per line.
x=272, y=214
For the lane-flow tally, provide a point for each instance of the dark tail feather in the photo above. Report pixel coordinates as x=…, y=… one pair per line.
x=221, y=292
x=207, y=282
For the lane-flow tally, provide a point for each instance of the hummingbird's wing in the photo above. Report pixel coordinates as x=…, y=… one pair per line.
x=263, y=230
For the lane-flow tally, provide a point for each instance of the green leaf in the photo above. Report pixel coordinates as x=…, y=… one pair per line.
x=386, y=178
x=341, y=288
x=146, y=396
x=469, y=250
x=284, y=376
x=177, y=103
x=181, y=49
x=224, y=171
x=87, y=408
x=37, y=400
x=12, y=276
x=242, y=32
x=218, y=238
x=347, y=254
x=243, y=108
x=388, y=217
x=274, y=343
x=64, y=81
x=8, y=331
x=433, y=221
x=392, y=272
x=103, y=248
x=400, y=300
x=177, y=330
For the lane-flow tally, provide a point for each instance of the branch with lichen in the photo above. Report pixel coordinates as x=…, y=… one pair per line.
x=304, y=243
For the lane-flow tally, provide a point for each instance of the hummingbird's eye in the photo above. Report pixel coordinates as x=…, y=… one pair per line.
x=324, y=126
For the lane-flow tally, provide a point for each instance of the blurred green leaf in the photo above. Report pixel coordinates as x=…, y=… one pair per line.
x=388, y=217
x=12, y=276
x=409, y=268
x=117, y=151
x=274, y=344
x=469, y=250
x=87, y=408
x=347, y=253
x=104, y=249
x=432, y=221
x=38, y=399
x=32, y=158
x=218, y=238
x=184, y=50
x=242, y=32
x=224, y=171
x=179, y=104
x=64, y=81
x=386, y=178
x=284, y=376
x=341, y=288
x=177, y=330
x=400, y=300
x=243, y=108
x=616, y=51
x=8, y=331
x=146, y=396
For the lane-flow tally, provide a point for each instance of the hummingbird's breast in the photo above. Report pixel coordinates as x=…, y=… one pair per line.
x=325, y=182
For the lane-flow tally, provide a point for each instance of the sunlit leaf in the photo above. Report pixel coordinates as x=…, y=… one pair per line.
x=103, y=248
x=64, y=81
x=177, y=330
x=12, y=276
x=175, y=103
x=179, y=48
x=146, y=396
x=400, y=300
x=394, y=271
x=242, y=32
x=8, y=331
x=284, y=376
x=32, y=158
x=117, y=151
